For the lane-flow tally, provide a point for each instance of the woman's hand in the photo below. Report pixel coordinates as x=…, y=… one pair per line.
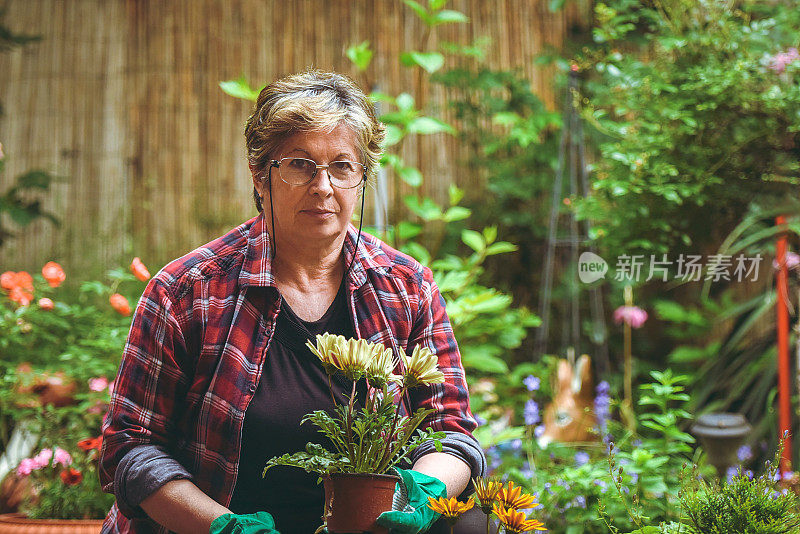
x=419, y=517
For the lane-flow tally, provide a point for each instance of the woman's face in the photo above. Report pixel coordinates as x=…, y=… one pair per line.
x=317, y=212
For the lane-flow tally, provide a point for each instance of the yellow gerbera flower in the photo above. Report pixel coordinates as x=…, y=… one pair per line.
x=451, y=507
x=487, y=491
x=512, y=497
x=380, y=367
x=515, y=521
x=422, y=368
x=325, y=350
x=352, y=357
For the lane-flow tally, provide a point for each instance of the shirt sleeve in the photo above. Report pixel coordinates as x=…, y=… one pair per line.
x=149, y=390
x=449, y=400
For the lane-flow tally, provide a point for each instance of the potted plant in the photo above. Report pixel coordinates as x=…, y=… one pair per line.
x=369, y=441
x=59, y=346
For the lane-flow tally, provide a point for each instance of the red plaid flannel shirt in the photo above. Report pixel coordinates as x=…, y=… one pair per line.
x=195, y=351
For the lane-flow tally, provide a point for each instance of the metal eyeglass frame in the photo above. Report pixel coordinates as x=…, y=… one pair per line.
x=277, y=164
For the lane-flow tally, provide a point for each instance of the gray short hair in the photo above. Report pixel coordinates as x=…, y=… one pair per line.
x=307, y=101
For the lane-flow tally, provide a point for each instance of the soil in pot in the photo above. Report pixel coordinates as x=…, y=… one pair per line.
x=19, y=524
x=354, y=501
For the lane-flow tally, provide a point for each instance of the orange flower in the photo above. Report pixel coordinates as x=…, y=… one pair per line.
x=71, y=476
x=46, y=304
x=89, y=444
x=139, y=270
x=20, y=296
x=53, y=273
x=451, y=507
x=8, y=280
x=487, y=491
x=120, y=304
x=515, y=521
x=512, y=497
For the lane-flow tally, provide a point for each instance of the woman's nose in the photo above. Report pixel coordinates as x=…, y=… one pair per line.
x=322, y=183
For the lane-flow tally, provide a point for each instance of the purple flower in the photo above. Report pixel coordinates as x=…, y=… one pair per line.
x=603, y=389
x=779, y=61
x=480, y=420
x=26, y=466
x=580, y=501
x=62, y=457
x=633, y=316
x=532, y=383
x=744, y=453
x=516, y=444
x=730, y=473
x=634, y=478
x=538, y=431
x=792, y=261
x=531, y=412
x=581, y=458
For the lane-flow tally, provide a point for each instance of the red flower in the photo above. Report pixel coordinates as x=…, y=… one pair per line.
x=46, y=304
x=53, y=273
x=139, y=270
x=120, y=304
x=89, y=444
x=20, y=296
x=8, y=280
x=71, y=476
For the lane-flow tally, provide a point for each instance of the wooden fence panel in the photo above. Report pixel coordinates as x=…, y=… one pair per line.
x=121, y=99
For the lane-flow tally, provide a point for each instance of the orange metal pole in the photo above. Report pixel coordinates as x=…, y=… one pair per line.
x=784, y=370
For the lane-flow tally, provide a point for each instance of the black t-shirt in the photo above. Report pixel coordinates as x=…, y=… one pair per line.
x=293, y=383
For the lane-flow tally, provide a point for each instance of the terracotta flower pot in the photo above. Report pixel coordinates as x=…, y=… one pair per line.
x=19, y=524
x=354, y=501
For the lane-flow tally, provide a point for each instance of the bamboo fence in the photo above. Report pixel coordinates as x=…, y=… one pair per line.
x=121, y=100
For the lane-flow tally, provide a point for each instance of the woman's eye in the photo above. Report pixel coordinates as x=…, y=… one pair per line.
x=342, y=166
x=300, y=164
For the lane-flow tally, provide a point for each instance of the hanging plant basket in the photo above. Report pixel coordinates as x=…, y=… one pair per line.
x=354, y=501
x=19, y=524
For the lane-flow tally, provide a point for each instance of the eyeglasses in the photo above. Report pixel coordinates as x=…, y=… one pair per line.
x=300, y=171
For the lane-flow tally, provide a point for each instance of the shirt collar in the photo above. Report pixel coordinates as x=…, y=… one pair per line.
x=257, y=265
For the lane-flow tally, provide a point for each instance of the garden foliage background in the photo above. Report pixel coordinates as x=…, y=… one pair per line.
x=691, y=111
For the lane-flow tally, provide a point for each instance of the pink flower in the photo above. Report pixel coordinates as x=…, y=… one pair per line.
x=98, y=384
x=792, y=261
x=633, y=316
x=43, y=458
x=26, y=466
x=779, y=61
x=62, y=457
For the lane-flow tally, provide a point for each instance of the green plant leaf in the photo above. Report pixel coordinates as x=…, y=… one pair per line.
x=425, y=208
x=430, y=61
x=419, y=9
x=448, y=15
x=239, y=89
x=473, y=240
x=456, y=213
x=428, y=125
x=501, y=247
x=410, y=175
x=394, y=134
x=360, y=55
x=484, y=363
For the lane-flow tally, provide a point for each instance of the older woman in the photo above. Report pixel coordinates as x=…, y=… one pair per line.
x=215, y=376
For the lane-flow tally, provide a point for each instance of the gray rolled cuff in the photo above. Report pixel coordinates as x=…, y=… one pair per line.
x=462, y=446
x=141, y=472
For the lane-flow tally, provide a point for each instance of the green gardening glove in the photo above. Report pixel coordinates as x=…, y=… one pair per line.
x=257, y=523
x=410, y=512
